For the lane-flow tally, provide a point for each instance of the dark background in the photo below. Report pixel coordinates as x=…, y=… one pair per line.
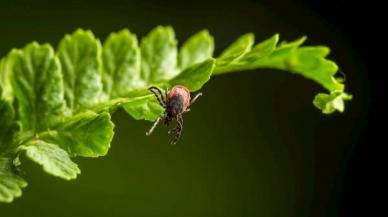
x=254, y=145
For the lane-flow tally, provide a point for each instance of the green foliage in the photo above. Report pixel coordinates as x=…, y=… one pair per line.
x=56, y=105
x=53, y=159
x=196, y=49
x=11, y=184
x=121, y=58
x=329, y=103
x=159, y=55
x=308, y=61
x=86, y=134
x=36, y=79
x=80, y=57
x=196, y=75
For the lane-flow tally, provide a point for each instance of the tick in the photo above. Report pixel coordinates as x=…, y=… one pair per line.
x=175, y=102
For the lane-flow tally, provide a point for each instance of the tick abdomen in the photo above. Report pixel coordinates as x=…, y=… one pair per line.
x=174, y=105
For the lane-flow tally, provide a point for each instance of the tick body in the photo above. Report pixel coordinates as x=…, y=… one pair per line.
x=175, y=102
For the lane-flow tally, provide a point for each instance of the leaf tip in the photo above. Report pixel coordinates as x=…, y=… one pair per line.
x=329, y=103
x=275, y=39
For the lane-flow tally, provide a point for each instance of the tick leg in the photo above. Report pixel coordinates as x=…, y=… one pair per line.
x=166, y=95
x=195, y=98
x=178, y=129
x=159, y=91
x=167, y=121
x=159, y=95
x=153, y=126
x=174, y=130
x=179, y=123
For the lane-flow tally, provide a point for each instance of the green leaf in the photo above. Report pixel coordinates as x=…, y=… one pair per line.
x=296, y=43
x=5, y=83
x=6, y=111
x=158, y=65
x=263, y=49
x=332, y=102
x=159, y=55
x=195, y=76
x=80, y=56
x=86, y=134
x=52, y=158
x=10, y=183
x=37, y=84
x=8, y=128
x=308, y=61
x=121, y=61
x=237, y=49
x=144, y=108
x=196, y=49
x=248, y=56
